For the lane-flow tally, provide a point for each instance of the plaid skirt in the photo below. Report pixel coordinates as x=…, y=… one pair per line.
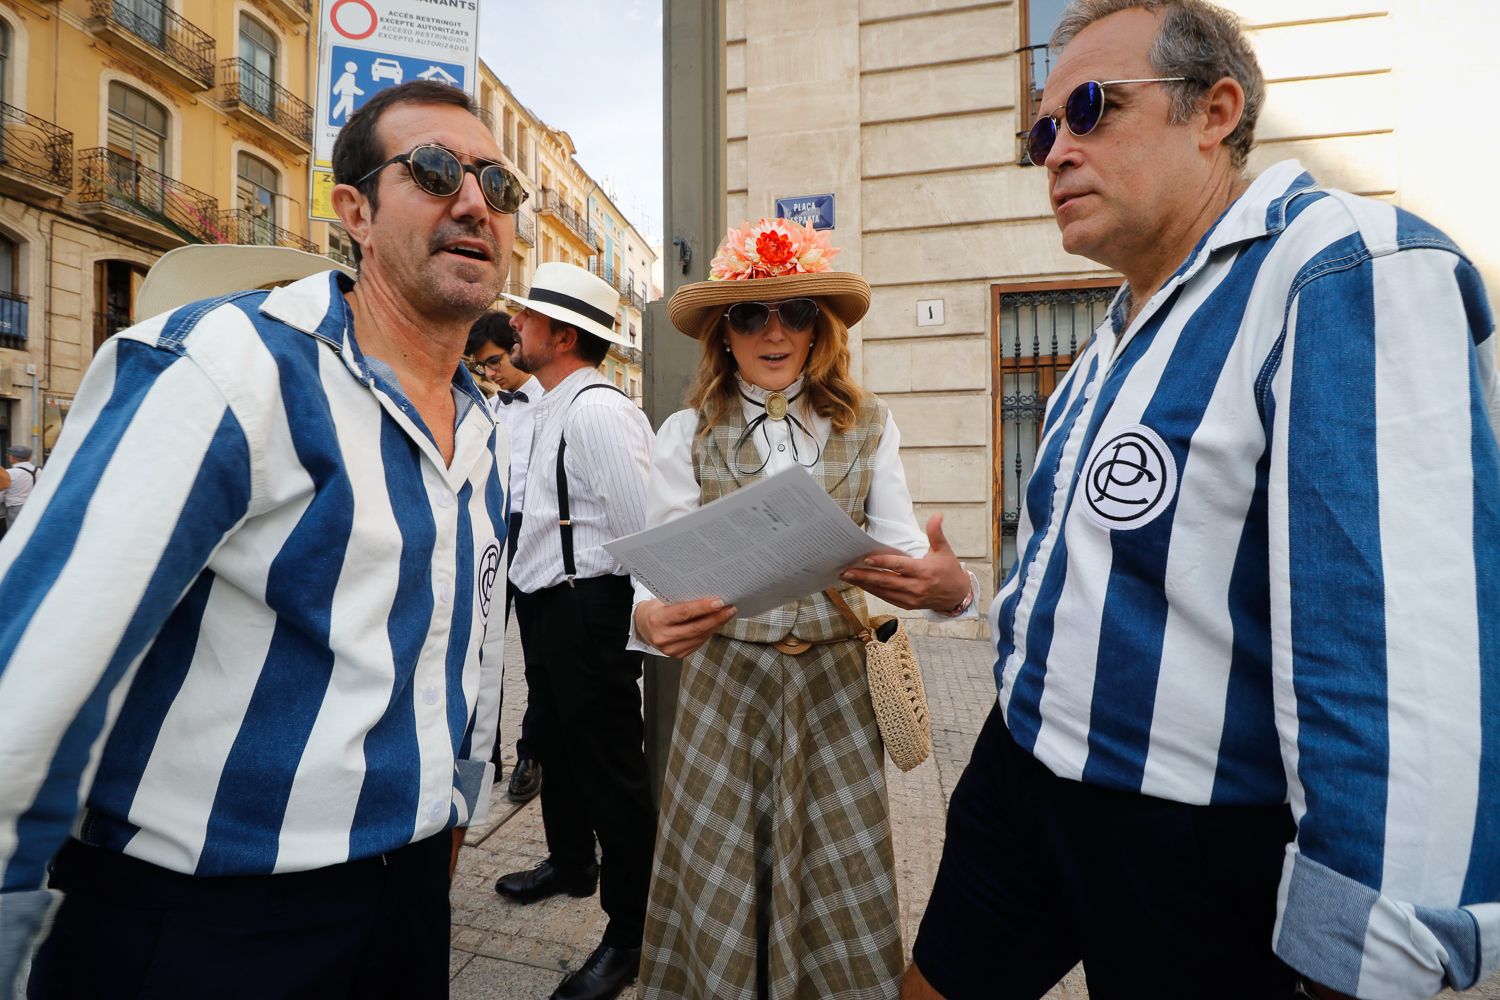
x=774, y=876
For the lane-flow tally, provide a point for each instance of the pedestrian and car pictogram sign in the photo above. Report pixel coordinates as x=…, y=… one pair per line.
x=359, y=74
x=365, y=46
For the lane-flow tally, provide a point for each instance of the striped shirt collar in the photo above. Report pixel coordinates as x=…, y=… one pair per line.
x=316, y=306
x=1257, y=213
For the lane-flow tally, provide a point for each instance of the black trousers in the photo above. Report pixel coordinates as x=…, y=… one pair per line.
x=588, y=737
x=371, y=928
x=1156, y=898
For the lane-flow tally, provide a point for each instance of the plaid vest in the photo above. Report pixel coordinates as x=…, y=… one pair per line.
x=844, y=471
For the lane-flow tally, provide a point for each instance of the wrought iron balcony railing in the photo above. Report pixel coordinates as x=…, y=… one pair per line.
x=526, y=227
x=128, y=186
x=36, y=148
x=245, y=226
x=552, y=203
x=108, y=322
x=181, y=41
x=338, y=256
x=637, y=300
x=13, y=315
x=247, y=87
x=608, y=273
x=632, y=355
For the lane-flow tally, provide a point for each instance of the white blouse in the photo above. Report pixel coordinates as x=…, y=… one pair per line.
x=672, y=490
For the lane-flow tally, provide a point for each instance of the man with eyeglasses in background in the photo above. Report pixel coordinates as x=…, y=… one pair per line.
x=1247, y=741
x=283, y=512
x=491, y=341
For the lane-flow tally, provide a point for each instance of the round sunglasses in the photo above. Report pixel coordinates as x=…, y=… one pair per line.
x=751, y=317
x=440, y=172
x=1081, y=113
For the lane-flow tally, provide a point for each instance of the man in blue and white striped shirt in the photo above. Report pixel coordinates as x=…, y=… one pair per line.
x=246, y=659
x=1248, y=729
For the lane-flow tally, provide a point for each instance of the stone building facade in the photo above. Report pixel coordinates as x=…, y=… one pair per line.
x=909, y=113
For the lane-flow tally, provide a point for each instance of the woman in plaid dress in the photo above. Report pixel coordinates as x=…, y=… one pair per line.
x=774, y=875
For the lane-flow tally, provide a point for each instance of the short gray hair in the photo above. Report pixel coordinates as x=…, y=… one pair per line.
x=1197, y=40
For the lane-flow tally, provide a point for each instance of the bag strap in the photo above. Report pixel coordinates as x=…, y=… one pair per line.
x=564, y=523
x=861, y=629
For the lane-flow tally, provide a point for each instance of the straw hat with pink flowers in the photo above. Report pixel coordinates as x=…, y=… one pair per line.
x=769, y=261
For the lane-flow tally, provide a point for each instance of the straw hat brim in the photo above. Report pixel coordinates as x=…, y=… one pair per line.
x=206, y=270
x=695, y=309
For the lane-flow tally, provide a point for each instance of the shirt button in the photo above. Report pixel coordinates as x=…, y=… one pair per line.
x=445, y=500
x=437, y=810
x=429, y=695
x=781, y=447
x=445, y=593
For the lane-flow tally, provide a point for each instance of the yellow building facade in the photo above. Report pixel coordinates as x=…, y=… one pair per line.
x=129, y=128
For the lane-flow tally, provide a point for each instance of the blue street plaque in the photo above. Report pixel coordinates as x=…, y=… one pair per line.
x=814, y=208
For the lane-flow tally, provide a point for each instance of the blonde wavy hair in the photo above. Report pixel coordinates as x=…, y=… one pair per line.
x=828, y=388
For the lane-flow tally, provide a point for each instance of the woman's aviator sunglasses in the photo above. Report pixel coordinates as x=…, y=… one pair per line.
x=438, y=171
x=751, y=317
x=1081, y=112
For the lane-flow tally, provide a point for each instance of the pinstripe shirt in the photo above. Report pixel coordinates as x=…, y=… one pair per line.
x=246, y=610
x=1259, y=562
x=608, y=461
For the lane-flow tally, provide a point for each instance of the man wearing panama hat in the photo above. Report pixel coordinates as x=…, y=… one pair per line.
x=586, y=485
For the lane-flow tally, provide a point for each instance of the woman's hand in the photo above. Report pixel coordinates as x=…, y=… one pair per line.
x=935, y=582
x=678, y=629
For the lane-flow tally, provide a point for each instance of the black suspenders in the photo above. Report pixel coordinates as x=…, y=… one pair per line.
x=564, y=524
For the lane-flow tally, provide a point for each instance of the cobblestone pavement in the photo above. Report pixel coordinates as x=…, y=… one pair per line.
x=501, y=950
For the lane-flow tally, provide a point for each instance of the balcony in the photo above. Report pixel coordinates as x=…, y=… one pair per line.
x=637, y=300
x=265, y=105
x=525, y=228
x=609, y=274
x=123, y=195
x=297, y=10
x=109, y=322
x=247, y=227
x=36, y=157
x=572, y=220
x=632, y=355
x=161, y=38
x=13, y=310
x=338, y=256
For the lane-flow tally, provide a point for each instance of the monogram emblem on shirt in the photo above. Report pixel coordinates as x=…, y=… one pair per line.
x=1131, y=479
x=489, y=569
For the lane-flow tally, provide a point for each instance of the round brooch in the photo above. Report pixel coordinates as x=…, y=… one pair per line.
x=776, y=406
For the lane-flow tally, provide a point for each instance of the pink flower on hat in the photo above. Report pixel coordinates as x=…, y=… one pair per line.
x=769, y=248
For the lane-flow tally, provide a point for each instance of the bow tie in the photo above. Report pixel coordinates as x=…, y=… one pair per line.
x=506, y=398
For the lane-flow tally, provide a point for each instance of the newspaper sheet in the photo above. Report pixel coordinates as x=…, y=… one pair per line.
x=759, y=547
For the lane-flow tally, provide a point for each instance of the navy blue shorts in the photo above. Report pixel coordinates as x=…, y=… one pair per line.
x=1156, y=898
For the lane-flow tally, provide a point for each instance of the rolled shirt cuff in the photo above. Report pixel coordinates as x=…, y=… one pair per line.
x=1343, y=934
x=24, y=918
x=474, y=780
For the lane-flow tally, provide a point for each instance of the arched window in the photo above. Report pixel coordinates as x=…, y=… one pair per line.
x=137, y=127
x=4, y=62
x=259, y=50
x=257, y=188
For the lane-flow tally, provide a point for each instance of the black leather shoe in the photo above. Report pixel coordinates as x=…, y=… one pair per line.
x=606, y=972
x=525, y=781
x=546, y=879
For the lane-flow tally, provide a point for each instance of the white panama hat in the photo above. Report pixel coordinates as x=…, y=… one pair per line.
x=206, y=270
x=568, y=293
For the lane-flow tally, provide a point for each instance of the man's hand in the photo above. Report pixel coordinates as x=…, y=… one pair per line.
x=936, y=582
x=678, y=629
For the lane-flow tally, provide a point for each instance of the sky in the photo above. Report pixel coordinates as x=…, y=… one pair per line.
x=593, y=69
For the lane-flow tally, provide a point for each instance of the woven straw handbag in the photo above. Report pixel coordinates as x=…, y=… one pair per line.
x=895, y=685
